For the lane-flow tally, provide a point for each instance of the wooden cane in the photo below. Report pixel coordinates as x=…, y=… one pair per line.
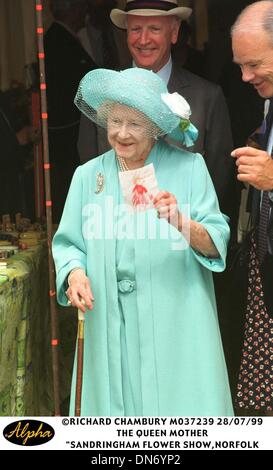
x=80, y=341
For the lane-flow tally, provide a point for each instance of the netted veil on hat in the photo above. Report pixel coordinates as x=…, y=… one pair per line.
x=141, y=90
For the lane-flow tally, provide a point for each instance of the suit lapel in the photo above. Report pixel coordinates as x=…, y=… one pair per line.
x=178, y=78
x=268, y=125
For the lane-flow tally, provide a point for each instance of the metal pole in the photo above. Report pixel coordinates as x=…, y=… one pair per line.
x=48, y=203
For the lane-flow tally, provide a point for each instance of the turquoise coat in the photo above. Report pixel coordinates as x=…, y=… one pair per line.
x=182, y=366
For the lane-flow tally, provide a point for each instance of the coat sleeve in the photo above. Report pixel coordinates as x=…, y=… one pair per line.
x=205, y=210
x=68, y=246
x=218, y=146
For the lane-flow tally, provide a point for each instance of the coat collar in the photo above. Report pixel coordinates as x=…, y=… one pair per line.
x=179, y=78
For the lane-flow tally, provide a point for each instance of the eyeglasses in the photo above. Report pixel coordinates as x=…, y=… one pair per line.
x=131, y=127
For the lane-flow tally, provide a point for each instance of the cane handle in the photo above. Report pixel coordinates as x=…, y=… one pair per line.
x=80, y=313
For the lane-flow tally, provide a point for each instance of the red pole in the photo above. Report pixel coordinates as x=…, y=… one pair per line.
x=48, y=203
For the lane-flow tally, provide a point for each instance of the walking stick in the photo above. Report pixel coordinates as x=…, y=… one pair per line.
x=80, y=341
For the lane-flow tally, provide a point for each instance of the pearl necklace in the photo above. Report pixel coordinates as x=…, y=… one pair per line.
x=122, y=164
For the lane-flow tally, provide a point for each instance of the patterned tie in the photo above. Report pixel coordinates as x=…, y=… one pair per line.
x=263, y=225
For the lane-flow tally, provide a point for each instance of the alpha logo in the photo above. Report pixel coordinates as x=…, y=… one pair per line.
x=28, y=432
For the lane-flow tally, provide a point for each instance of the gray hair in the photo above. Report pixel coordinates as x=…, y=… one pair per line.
x=255, y=17
x=105, y=110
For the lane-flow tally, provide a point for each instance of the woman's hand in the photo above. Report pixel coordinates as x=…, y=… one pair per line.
x=166, y=205
x=79, y=290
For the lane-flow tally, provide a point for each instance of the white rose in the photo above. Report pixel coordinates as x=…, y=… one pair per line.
x=177, y=104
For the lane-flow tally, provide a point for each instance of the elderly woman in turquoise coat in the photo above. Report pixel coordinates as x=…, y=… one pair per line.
x=144, y=277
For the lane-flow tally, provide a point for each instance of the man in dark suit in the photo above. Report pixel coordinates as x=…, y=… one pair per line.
x=98, y=36
x=150, y=39
x=252, y=43
x=66, y=63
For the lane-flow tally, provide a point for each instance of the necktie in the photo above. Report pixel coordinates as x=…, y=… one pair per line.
x=265, y=205
x=262, y=228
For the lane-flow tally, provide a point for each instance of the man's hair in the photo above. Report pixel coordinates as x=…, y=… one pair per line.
x=252, y=20
x=60, y=7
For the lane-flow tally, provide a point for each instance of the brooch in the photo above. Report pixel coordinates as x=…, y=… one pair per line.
x=99, y=183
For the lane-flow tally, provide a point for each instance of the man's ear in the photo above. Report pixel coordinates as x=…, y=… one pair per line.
x=176, y=22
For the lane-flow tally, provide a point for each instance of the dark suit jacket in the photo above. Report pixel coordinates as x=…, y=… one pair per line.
x=210, y=116
x=254, y=199
x=255, y=195
x=66, y=63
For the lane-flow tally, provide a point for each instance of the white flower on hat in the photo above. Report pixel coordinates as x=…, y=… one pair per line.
x=177, y=104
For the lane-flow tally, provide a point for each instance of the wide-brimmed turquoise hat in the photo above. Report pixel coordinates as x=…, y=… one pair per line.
x=142, y=90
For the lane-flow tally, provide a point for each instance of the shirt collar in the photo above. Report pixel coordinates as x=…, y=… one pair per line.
x=165, y=72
